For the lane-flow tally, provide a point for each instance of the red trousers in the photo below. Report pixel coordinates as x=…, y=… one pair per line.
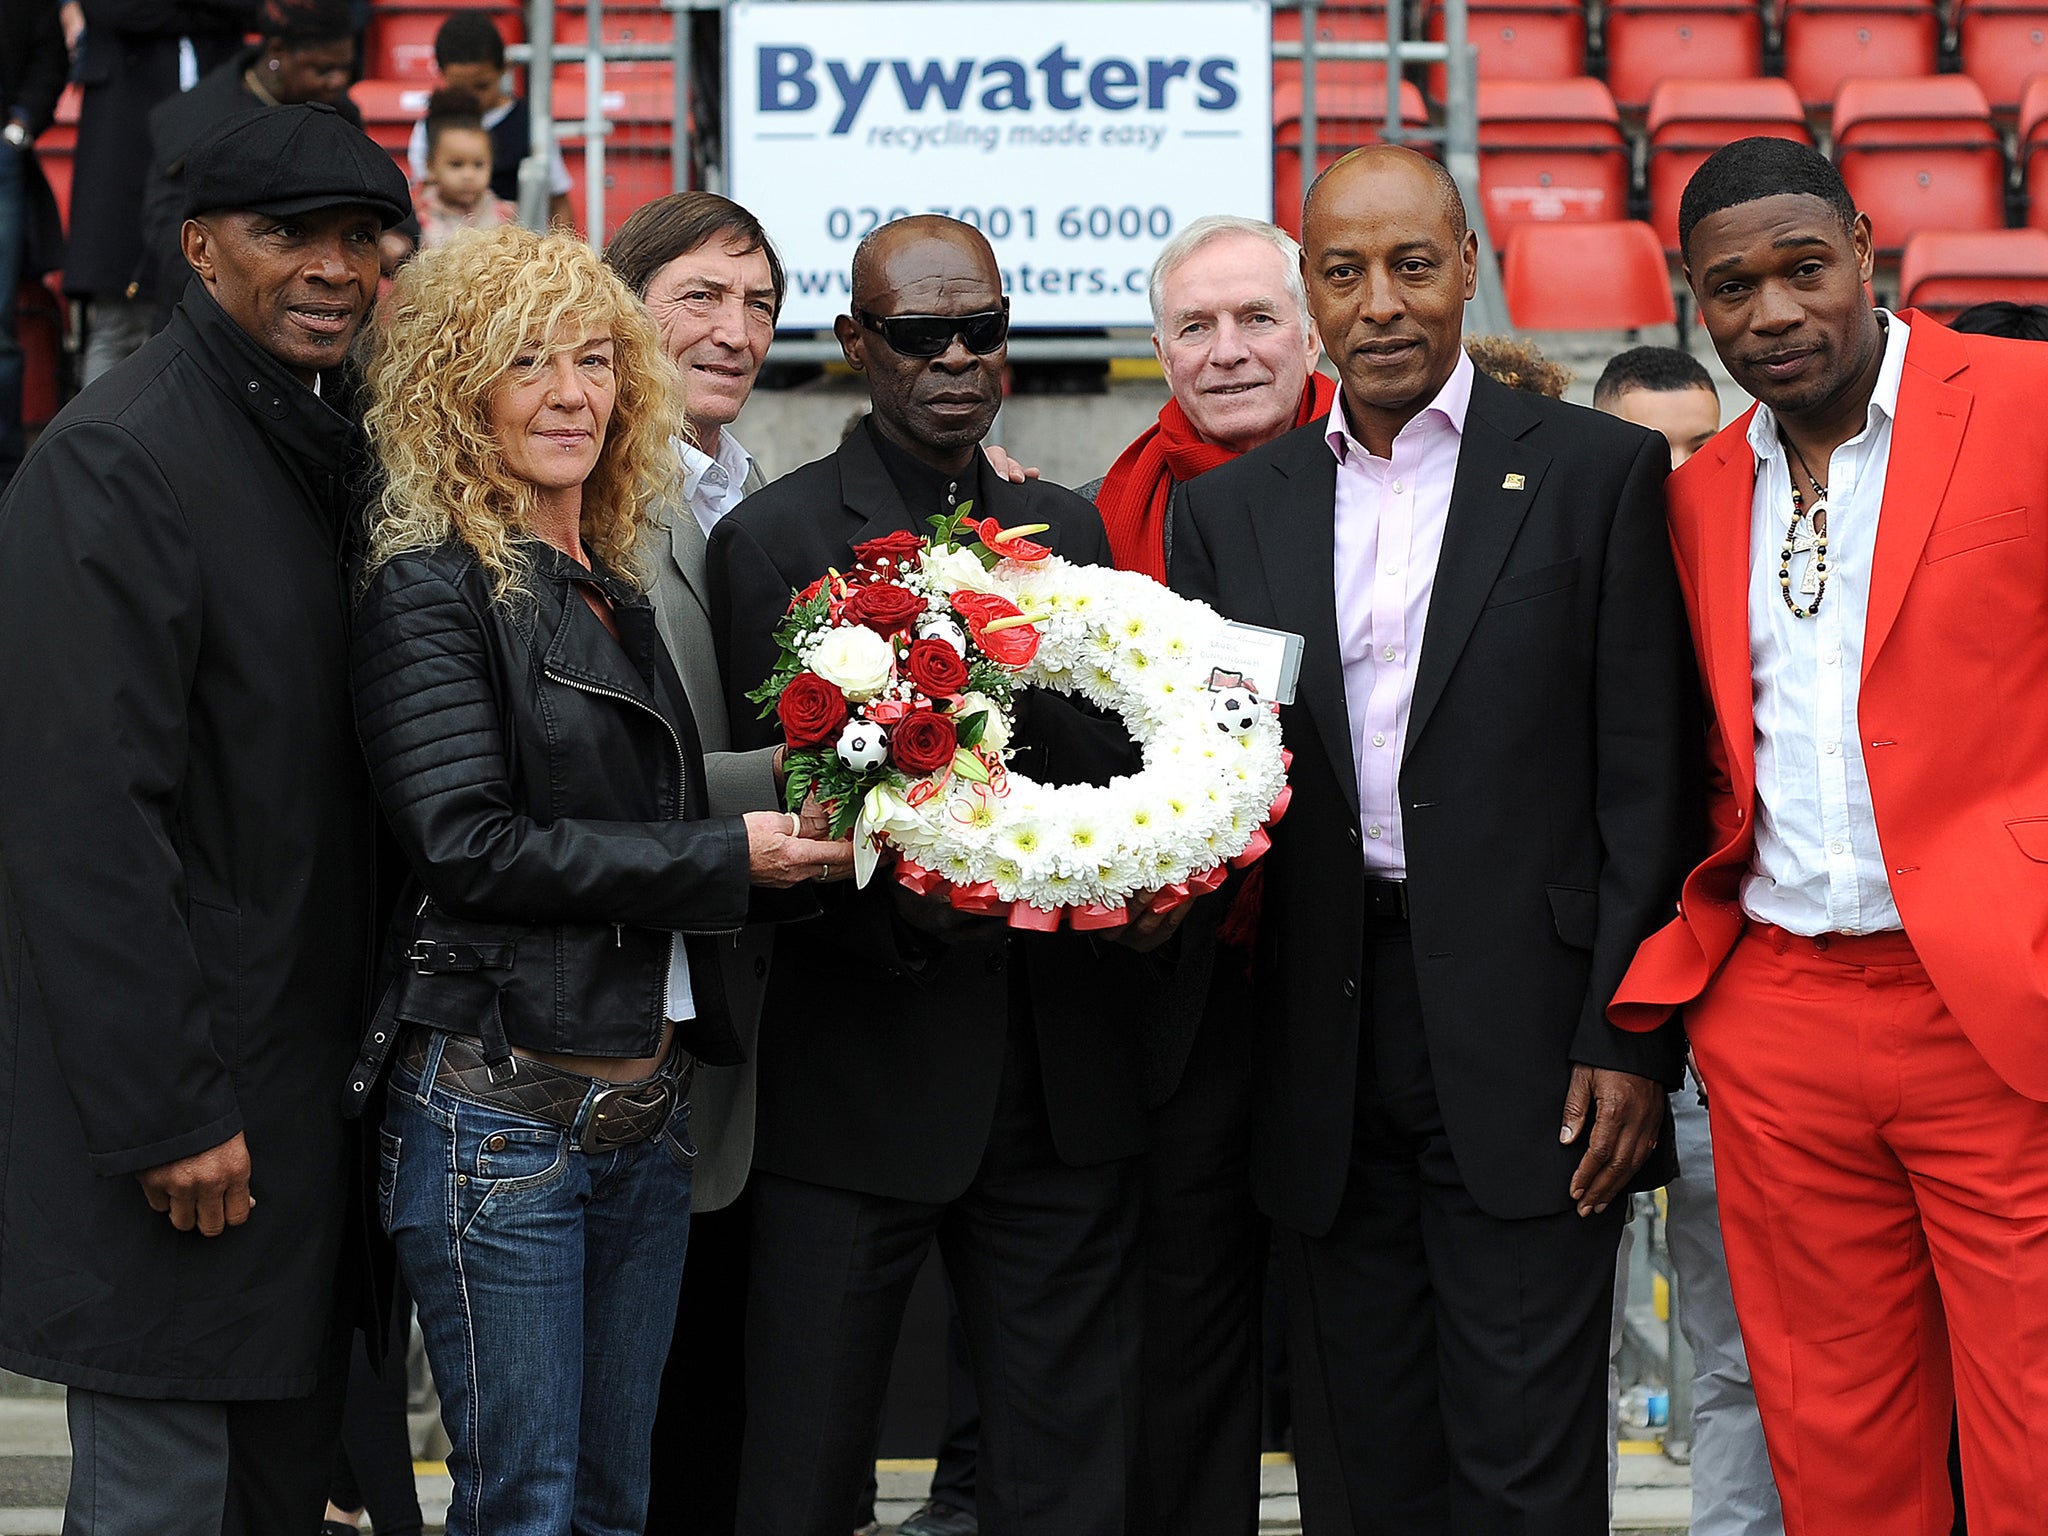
x=1884, y=1198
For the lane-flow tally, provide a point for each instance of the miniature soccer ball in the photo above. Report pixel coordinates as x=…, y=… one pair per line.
x=1235, y=710
x=940, y=626
x=863, y=745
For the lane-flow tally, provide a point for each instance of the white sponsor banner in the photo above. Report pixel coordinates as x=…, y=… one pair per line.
x=1077, y=136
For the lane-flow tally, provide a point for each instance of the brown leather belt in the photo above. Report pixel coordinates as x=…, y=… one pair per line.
x=600, y=1114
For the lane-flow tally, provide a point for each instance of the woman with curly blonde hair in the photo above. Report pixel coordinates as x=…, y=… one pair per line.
x=558, y=982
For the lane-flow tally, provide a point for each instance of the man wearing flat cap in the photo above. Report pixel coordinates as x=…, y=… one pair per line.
x=186, y=912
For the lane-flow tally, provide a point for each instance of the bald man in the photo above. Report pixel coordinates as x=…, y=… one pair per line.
x=927, y=1077
x=1493, y=717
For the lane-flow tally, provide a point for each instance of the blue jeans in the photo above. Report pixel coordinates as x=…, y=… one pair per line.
x=13, y=243
x=546, y=1279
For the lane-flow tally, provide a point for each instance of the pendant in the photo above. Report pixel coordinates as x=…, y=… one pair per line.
x=1818, y=518
x=1809, y=584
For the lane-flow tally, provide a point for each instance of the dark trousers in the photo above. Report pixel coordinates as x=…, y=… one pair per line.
x=1450, y=1367
x=1205, y=1260
x=173, y=1467
x=703, y=1414
x=373, y=1469
x=1043, y=1260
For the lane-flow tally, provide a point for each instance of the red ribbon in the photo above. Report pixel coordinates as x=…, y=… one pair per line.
x=1034, y=919
x=915, y=878
x=1098, y=915
x=1253, y=850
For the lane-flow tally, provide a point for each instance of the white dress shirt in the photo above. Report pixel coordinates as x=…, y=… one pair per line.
x=1390, y=516
x=1818, y=867
x=713, y=485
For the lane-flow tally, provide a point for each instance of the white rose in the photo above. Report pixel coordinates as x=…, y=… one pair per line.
x=955, y=570
x=856, y=661
x=995, y=733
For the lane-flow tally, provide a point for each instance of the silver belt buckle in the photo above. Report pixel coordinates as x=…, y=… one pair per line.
x=604, y=1114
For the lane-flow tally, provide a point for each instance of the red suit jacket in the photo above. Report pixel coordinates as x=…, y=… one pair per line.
x=1954, y=704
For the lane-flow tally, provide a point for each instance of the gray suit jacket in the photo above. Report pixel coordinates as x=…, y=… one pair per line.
x=722, y=1100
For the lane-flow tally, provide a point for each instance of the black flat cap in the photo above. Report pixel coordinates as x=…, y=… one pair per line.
x=286, y=160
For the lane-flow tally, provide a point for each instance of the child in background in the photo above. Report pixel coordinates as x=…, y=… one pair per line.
x=456, y=194
x=470, y=54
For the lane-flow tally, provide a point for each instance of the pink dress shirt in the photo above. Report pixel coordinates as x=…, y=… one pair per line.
x=1390, y=516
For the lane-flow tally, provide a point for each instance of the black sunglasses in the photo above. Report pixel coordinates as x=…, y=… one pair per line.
x=929, y=335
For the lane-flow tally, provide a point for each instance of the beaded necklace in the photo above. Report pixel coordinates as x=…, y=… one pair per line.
x=1814, y=541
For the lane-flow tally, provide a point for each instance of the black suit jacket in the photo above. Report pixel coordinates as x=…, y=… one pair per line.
x=880, y=1049
x=1548, y=795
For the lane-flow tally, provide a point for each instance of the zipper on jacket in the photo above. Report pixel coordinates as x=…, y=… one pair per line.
x=682, y=765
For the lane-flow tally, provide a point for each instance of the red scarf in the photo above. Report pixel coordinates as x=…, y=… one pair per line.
x=1135, y=492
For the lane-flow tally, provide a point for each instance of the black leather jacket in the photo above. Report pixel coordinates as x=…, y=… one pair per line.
x=546, y=783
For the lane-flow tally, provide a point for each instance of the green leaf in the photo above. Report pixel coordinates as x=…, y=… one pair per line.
x=972, y=728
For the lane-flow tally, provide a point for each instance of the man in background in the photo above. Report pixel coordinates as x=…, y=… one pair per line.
x=137, y=52
x=32, y=69
x=713, y=283
x=1667, y=391
x=1733, y=1493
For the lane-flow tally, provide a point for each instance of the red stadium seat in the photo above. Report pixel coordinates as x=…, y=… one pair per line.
x=1347, y=117
x=57, y=166
x=620, y=24
x=1586, y=277
x=1356, y=23
x=39, y=324
x=1920, y=154
x=400, y=42
x=1946, y=273
x=2004, y=45
x=1517, y=39
x=1830, y=41
x=1653, y=40
x=1550, y=150
x=1690, y=119
x=390, y=108
x=2033, y=149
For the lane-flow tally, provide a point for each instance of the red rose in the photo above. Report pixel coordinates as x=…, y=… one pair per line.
x=811, y=711
x=899, y=548
x=1011, y=647
x=922, y=742
x=936, y=668
x=884, y=607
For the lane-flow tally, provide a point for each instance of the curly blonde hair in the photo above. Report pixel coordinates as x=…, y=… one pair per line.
x=1519, y=364
x=444, y=340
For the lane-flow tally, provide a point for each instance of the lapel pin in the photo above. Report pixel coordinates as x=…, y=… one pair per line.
x=1514, y=482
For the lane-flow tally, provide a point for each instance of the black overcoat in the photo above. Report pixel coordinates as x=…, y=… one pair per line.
x=130, y=64
x=185, y=863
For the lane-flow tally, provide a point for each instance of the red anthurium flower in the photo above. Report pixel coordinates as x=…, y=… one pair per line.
x=1011, y=545
x=1012, y=645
